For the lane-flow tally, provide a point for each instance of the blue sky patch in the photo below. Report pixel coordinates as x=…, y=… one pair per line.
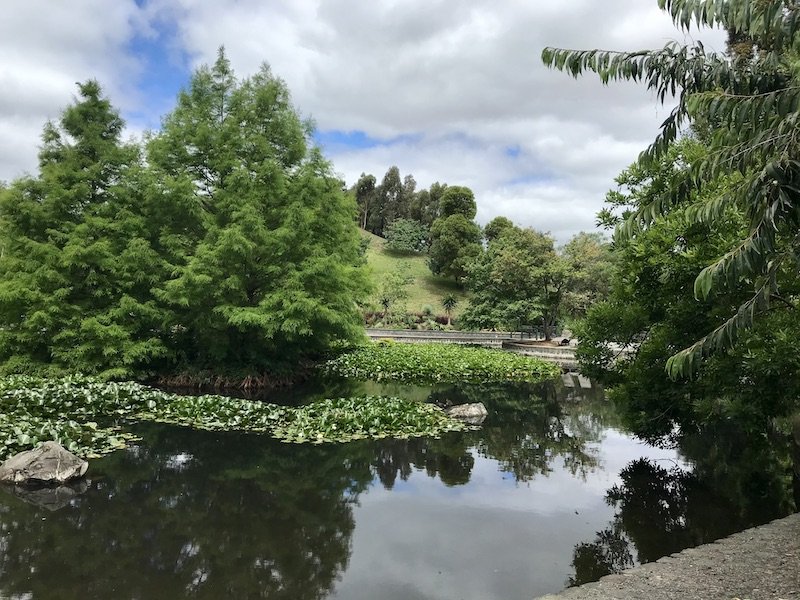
x=338, y=140
x=335, y=138
x=530, y=178
x=165, y=70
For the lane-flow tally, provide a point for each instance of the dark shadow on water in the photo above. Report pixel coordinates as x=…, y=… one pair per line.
x=737, y=482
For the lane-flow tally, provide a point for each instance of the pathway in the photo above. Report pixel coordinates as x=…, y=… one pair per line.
x=762, y=563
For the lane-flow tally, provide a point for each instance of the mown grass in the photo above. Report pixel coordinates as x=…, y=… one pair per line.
x=427, y=289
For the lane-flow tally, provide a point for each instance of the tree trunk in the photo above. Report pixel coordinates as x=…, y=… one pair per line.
x=795, y=441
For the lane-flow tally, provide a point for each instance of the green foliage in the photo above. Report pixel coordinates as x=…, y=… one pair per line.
x=379, y=205
x=650, y=312
x=272, y=272
x=590, y=267
x=749, y=105
x=449, y=303
x=365, y=196
x=35, y=410
x=455, y=237
x=231, y=247
x=424, y=206
x=81, y=252
x=406, y=235
x=393, y=290
x=20, y=432
x=495, y=228
x=346, y=419
x=455, y=244
x=439, y=363
x=391, y=203
x=519, y=280
x=458, y=200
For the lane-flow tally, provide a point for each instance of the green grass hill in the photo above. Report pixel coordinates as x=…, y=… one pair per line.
x=427, y=289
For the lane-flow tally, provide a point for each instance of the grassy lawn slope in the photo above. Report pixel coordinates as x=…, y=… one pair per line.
x=426, y=289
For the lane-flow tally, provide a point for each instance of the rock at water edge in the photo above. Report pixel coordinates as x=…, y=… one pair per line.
x=471, y=413
x=48, y=464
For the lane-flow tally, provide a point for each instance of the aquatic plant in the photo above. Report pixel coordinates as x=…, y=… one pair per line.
x=85, y=415
x=439, y=363
x=346, y=419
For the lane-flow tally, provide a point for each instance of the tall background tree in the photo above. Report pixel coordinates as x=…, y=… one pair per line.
x=519, y=280
x=366, y=198
x=396, y=197
x=455, y=237
x=424, y=206
x=590, y=267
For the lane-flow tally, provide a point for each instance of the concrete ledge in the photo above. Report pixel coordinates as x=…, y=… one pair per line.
x=762, y=563
x=487, y=339
x=564, y=356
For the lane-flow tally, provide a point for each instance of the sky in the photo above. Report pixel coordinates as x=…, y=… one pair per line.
x=447, y=90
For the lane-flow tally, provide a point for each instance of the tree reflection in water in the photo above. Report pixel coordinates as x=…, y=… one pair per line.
x=529, y=429
x=241, y=517
x=189, y=514
x=735, y=482
x=200, y=515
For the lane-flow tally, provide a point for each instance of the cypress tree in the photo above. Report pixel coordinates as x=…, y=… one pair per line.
x=271, y=275
x=77, y=265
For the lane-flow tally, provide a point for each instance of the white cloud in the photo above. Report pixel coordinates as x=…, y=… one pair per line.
x=45, y=48
x=460, y=82
x=466, y=78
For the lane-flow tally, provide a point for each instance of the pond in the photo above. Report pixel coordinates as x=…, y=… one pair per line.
x=550, y=492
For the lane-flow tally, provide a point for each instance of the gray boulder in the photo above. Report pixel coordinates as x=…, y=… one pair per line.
x=47, y=464
x=473, y=414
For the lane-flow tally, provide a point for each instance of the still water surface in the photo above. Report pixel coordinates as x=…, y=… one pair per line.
x=551, y=491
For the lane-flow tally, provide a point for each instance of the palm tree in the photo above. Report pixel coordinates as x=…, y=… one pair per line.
x=449, y=303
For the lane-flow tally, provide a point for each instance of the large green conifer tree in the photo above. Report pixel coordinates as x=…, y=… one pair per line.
x=270, y=273
x=77, y=266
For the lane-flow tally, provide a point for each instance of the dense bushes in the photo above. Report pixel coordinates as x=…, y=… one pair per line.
x=406, y=235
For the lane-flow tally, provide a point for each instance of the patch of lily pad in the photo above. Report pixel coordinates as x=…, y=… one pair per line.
x=347, y=419
x=88, y=417
x=439, y=363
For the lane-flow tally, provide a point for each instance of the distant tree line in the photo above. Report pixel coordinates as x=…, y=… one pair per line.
x=380, y=204
x=520, y=279
x=516, y=277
